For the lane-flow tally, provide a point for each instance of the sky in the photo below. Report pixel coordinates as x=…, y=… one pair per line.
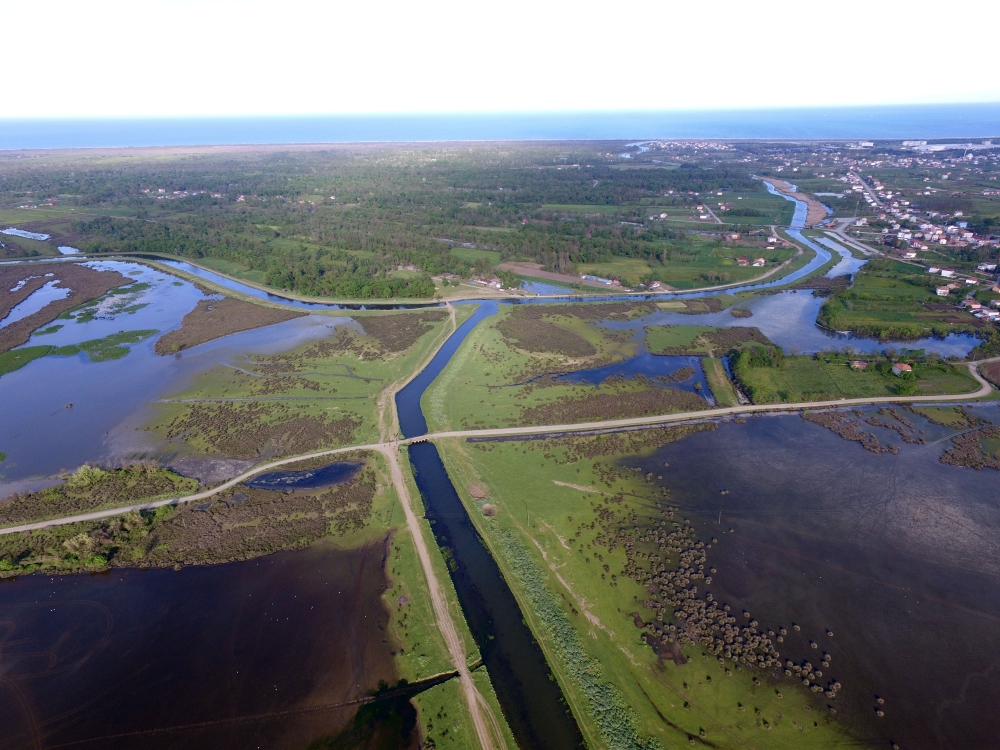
x=156, y=58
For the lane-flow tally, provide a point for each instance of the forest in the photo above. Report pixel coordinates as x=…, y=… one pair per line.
x=372, y=221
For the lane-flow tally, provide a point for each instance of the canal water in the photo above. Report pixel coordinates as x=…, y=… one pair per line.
x=530, y=697
x=898, y=556
x=262, y=653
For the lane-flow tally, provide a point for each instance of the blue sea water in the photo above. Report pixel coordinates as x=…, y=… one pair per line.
x=911, y=121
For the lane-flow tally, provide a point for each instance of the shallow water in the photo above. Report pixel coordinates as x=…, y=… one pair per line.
x=309, y=479
x=41, y=436
x=35, y=301
x=898, y=556
x=649, y=366
x=164, y=659
x=788, y=319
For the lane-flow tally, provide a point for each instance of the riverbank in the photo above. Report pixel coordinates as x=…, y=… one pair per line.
x=816, y=211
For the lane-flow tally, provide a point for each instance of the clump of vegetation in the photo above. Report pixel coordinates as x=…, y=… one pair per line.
x=977, y=450
x=91, y=488
x=615, y=398
x=397, y=333
x=248, y=430
x=239, y=525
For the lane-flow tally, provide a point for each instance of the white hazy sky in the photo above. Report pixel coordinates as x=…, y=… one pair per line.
x=143, y=58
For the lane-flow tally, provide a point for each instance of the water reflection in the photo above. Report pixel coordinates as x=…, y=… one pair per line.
x=897, y=556
x=788, y=319
x=41, y=436
x=251, y=654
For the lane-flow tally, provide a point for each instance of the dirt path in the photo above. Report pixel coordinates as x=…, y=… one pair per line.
x=984, y=390
x=456, y=646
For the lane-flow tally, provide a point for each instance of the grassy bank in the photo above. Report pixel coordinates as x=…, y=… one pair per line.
x=583, y=605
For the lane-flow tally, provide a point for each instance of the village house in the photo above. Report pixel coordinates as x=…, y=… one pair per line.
x=742, y=261
x=758, y=262
x=859, y=364
x=899, y=368
x=942, y=291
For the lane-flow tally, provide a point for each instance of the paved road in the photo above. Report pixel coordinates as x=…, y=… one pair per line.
x=385, y=447
x=871, y=193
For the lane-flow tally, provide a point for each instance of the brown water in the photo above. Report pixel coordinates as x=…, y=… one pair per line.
x=897, y=556
x=242, y=655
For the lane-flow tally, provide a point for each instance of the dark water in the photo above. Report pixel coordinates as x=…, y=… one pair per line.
x=411, y=418
x=531, y=699
x=310, y=479
x=898, y=556
x=242, y=655
x=901, y=121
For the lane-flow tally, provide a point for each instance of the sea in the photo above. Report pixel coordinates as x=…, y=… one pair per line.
x=977, y=120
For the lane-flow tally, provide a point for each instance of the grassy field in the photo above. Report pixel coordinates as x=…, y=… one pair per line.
x=583, y=610
x=719, y=382
x=827, y=377
x=472, y=255
x=894, y=300
x=695, y=261
x=494, y=380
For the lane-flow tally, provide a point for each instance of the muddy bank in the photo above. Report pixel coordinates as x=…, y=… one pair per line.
x=84, y=283
x=214, y=318
x=816, y=211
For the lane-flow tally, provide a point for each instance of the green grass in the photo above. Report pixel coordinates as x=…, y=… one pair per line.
x=630, y=270
x=108, y=348
x=891, y=300
x=660, y=338
x=472, y=255
x=718, y=381
x=230, y=268
x=478, y=387
x=801, y=379
x=15, y=359
x=620, y=693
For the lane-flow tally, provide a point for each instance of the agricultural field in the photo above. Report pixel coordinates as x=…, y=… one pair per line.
x=320, y=395
x=895, y=300
x=693, y=261
x=768, y=377
x=505, y=371
x=582, y=565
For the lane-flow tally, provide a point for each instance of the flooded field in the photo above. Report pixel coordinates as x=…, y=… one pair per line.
x=60, y=412
x=262, y=653
x=888, y=563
